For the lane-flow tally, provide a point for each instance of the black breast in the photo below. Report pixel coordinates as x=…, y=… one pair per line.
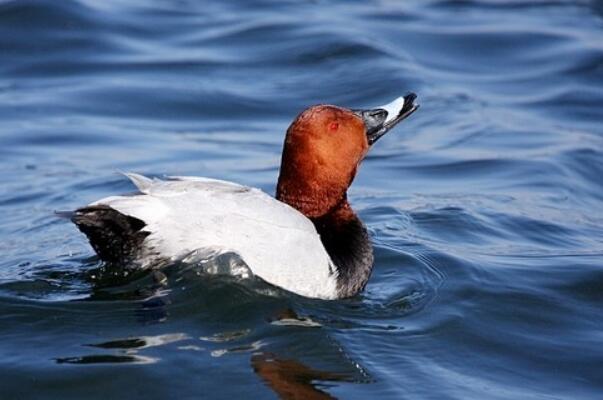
x=348, y=244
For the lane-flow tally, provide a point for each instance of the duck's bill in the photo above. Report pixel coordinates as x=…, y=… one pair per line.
x=380, y=120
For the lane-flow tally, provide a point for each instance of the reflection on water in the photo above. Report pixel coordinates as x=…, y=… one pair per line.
x=291, y=379
x=128, y=348
x=106, y=358
x=484, y=208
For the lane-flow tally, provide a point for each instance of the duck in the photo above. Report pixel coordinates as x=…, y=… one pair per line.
x=306, y=239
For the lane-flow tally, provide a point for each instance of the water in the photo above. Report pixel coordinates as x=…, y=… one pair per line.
x=485, y=206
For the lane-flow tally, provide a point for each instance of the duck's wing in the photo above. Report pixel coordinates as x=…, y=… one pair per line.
x=186, y=214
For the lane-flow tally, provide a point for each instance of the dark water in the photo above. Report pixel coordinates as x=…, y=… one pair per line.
x=486, y=206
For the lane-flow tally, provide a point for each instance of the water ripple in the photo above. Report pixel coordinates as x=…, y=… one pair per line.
x=484, y=207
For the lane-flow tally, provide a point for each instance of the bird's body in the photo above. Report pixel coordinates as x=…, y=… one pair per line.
x=183, y=215
x=307, y=240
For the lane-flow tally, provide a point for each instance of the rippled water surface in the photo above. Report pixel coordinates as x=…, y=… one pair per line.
x=485, y=207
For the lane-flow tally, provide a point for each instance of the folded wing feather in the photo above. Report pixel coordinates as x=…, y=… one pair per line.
x=184, y=214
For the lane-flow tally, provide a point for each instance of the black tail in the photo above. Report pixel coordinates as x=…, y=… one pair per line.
x=116, y=238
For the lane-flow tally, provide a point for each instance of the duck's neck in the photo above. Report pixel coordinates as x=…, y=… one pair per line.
x=342, y=233
x=347, y=242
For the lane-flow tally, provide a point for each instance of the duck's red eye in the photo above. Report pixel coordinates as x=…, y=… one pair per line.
x=333, y=126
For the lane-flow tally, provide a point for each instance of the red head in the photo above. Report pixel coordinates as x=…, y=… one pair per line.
x=323, y=148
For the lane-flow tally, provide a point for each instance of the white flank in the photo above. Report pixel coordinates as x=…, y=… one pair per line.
x=188, y=214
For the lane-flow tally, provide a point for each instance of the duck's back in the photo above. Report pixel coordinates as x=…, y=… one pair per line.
x=187, y=214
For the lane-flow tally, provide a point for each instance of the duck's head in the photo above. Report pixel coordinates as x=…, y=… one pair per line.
x=324, y=147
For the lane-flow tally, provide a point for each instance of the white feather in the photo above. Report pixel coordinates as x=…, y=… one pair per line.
x=186, y=214
x=140, y=181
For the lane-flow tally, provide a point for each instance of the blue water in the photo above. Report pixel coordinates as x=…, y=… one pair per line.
x=485, y=207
